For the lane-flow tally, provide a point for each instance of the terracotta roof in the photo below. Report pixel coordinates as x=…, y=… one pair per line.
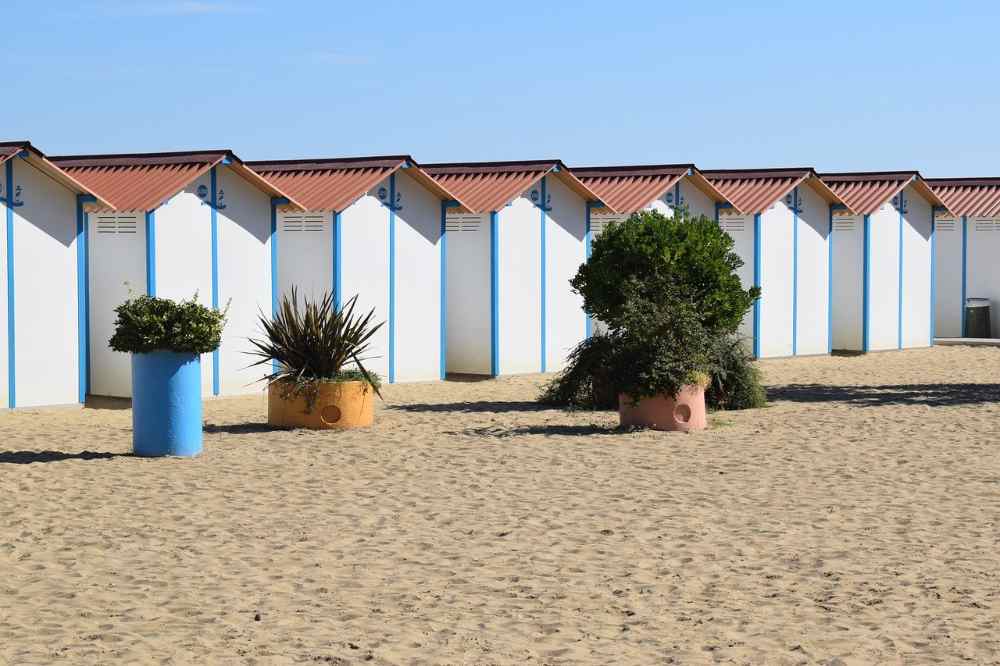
x=754, y=190
x=144, y=181
x=979, y=197
x=865, y=192
x=35, y=157
x=631, y=188
x=333, y=184
x=489, y=186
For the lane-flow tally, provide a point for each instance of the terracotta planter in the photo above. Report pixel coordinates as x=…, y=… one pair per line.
x=684, y=412
x=339, y=405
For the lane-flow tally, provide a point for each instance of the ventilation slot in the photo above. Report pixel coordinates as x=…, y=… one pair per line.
x=460, y=223
x=945, y=225
x=313, y=222
x=117, y=224
x=983, y=226
x=733, y=224
x=844, y=225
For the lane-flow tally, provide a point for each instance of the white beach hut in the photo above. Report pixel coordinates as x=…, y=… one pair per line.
x=177, y=225
x=780, y=222
x=966, y=251
x=510, y=308
x=630, y=189
x=42, y=275
x=882, y=261
x=372, y=227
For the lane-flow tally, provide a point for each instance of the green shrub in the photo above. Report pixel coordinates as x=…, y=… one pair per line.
x=316, y=343
x=586, y=381
x=668, y=292
x=736, y=380
x=648, y=253
x=147, y=324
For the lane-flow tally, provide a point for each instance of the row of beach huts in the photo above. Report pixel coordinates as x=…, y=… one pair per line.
x=467, y=263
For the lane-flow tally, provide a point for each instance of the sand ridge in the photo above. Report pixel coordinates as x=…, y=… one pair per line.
x=856, y=519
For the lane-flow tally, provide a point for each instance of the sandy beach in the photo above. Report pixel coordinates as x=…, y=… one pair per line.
x=855, y=520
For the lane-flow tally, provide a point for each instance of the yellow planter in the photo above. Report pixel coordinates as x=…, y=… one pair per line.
x=339, y=405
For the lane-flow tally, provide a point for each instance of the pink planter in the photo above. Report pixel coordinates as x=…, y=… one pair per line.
x=684, y=412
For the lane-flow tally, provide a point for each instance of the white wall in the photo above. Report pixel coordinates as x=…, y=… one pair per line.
x=468, y=285
x=776, y=247
x=244, y=279
x=565, y=229
x=848, y=281
x=305, y=254
x=948, y=275
x=883, y=286
x=916, y=305
x=520, y=286
x=983, y=267
x=365, y=272
x=4, y=397
x=45, y=284
x=813, y=298
x=740, y=229
x=184, y=254
x=418, y=282
x=696, y=200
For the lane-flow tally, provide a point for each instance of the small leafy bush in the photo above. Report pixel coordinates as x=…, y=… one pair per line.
x=147, y=324
x=316, y=343
x=586, y=381
x=736, y=380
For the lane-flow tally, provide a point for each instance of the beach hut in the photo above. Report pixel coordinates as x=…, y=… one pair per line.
x=372, y=227
x=882, y=288
x=510, y=308
x=966, y=251
x=779, y=221
x=178, y=225
x=42, y=274
x=630, y=189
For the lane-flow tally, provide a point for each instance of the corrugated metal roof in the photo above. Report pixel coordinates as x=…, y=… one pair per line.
x=631, y=188
x=754, y=190
x=979, y=197
x=37, y=159
x=333, y=184
x=485, y=187
x=144, y=181
x=864, y=193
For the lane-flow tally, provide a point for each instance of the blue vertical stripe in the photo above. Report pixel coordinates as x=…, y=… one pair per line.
x=338, y=264
x=215, y=271
x=544, y=286
x=866, y=277
x=392, y=278
x=677, y=194
x=11, y=338
x=933, y=275
x=82, y=297
x=756, y=283
x=494, y=294
x=795, y=271
x=965, y=267
x=151, y=253
x=899, y=305
x=443, y=324
x=829, y=283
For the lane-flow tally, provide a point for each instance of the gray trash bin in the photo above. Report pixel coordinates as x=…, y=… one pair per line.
x=977, y=318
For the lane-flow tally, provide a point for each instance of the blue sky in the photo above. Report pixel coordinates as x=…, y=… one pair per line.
x=838, y=85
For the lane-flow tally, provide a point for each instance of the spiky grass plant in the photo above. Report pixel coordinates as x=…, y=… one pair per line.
x=314, y=344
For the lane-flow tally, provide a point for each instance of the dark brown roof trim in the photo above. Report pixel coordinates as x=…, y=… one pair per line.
x=327, y=164
x=142, y=159
x=493, y=167
x=635, y=170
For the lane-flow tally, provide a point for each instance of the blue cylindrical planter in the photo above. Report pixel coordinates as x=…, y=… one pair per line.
x=166, y=404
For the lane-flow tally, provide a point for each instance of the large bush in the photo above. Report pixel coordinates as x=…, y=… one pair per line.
x=667, y=291
x=147, y=324
x=670, y=260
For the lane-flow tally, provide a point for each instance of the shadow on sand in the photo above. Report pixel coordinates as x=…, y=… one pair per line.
x=932, y=395
x=242, y=428
x=492, y=407
x=29, y=457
